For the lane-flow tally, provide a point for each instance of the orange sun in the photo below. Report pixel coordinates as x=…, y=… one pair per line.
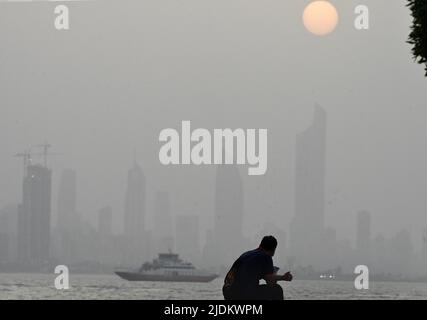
x=320, y=18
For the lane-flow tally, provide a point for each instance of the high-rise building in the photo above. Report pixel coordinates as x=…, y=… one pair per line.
x=105, y=222
x=424, y=250
x=67, y=200
x=68, y=225
x=363, y=236
x=307, y=226
x=4, y=248
x=209, y=251
x=68, y=220
x=331, y=258
x=401, y=253
x=8, y=230
x=163, y=223
x=105, y=248
x=229, y=209
x=34, y=216
x=136, y=239
x=134, y=216
x=187, y=237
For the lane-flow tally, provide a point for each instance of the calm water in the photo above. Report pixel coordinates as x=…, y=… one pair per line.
x=38, y=286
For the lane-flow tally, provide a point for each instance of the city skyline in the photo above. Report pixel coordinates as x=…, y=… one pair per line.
x=99, y=104
x=311, y=241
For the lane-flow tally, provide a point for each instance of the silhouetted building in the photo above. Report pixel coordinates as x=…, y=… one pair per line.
x=135, y=203
x=380, y=254
x=67, y=200
x=307, y=226
x=401, y=254
x=68, y=218
x=136, y=239
x=330, y=258
x=107, y=253
x=34, y=216
x=163, y=223
x=8, y=230
x=363, y=237
x=4, y=248
x=105, y=222
x=209, y=251
x=424, y=250
x=229, y=208
x=187, y=237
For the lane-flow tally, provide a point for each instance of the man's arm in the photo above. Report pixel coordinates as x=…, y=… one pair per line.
x=273, y=278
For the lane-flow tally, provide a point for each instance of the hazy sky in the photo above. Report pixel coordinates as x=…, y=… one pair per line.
x=128, y=69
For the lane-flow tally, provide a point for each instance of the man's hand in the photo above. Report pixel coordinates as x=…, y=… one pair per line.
x=287, y=276
x=273, y=278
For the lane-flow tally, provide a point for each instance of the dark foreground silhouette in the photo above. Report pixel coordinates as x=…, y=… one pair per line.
x=242, y=281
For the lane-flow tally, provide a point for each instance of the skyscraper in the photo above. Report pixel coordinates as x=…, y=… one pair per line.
x=8, y=230
x=307, y=226
x=67, y=200
x=137, y=245
x=363, y=236
x=105, y=222
x=401, y=253
x=424, y=249
x=229, y=207
x=34, y=216
x=209, y=250
x=134, y=215
x=68, y=218
x=187, y=236
x=4, y=248
x=105, y=246
x=163, y=222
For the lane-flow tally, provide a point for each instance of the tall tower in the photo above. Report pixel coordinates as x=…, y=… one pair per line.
x=229, y=207
x=163, y=223
x=307, y=226
x=34, y=216
x=105, y=222
x=68, y=218
x=187, y=237
x=137, y=245
x=424, y=248
x=363, y=236
x=8, y=230
x=135, y=203
x=67, y=200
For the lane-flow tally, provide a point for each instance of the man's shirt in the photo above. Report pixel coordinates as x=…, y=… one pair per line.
x=251, y=267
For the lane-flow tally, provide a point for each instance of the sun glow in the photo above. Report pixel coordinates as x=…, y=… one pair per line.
x=320, y=18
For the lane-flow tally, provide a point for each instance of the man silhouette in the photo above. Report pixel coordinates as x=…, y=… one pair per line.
x=242, y=281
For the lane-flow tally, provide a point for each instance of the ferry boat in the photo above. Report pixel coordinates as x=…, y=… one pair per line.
x=167, y=267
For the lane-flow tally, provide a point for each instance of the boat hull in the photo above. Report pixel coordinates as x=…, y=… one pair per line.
x=134, y=276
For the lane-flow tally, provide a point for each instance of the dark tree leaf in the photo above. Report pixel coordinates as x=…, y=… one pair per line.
x=418, y=35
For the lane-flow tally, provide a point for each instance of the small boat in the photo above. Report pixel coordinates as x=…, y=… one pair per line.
x=167, y=267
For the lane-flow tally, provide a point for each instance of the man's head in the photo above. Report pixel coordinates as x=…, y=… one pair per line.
x=269, y=245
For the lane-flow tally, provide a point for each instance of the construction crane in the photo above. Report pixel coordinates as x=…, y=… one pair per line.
x=45, y=152
x=26, y=156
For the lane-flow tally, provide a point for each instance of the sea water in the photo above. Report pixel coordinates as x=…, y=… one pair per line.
x=41, y=286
